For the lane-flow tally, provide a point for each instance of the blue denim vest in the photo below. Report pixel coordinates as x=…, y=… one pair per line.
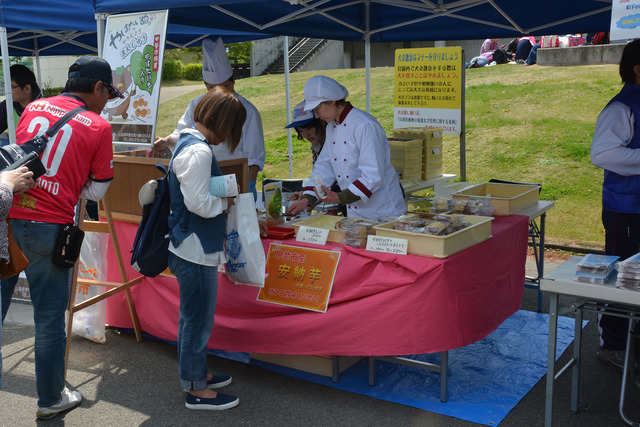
x=182, y=223
x=622, y=193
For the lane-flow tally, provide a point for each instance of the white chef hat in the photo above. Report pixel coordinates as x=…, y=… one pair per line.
x=301, y=116
x=216, y=67
x=322, y=88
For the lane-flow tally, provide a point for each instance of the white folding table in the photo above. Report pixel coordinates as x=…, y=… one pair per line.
x=591, y=298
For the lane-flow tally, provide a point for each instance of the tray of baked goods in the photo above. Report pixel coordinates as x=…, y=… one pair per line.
x=348, y=231
x=437, y=235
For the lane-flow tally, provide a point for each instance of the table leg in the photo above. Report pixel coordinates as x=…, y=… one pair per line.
x=543, y=218
x=551, y=359
x=575, y=375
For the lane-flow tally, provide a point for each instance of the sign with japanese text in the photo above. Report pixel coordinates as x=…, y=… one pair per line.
x=134, y=47
x=387, y=244
x=428, y=88
x=299, y=277
x=625, y=20
x=312, y=235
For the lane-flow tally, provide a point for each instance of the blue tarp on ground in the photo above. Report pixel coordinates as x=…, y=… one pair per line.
x=487, y=379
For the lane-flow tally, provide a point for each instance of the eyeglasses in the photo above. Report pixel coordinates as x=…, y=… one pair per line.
x=15, y=87
x=113, y=92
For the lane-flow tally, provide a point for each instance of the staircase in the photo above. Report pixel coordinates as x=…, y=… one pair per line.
x=303, y=49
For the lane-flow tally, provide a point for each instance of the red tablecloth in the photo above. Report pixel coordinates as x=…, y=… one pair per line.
x=381, y=304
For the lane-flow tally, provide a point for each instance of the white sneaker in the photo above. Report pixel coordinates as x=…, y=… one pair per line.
x=70, y=399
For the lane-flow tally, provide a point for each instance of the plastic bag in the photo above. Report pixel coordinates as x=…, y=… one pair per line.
x=245, y=254
x=89, y=322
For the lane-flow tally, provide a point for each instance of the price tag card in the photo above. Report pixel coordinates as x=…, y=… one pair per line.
x=387, y=244
x=312, y=235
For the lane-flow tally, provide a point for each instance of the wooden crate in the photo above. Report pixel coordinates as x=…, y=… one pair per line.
x=417, y=133
x=320, y=365
x=131, y=171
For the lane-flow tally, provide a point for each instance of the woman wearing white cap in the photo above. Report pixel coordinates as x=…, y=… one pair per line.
x=356, y=154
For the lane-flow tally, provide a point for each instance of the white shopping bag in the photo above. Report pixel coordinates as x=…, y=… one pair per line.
x=89, y=322
x=245, y=254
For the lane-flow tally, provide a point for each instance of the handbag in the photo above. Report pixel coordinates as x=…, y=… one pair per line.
x=17, y=261
x=68, y=244
x=13, y=156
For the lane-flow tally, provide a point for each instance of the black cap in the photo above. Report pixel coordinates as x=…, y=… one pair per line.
x=96, y=68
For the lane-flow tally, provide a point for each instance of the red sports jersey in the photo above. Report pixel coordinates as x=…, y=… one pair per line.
x=82, y=147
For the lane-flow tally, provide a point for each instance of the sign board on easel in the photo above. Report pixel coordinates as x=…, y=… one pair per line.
x=134, y=47
x=625, y=20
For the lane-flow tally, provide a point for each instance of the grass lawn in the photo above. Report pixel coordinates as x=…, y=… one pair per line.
x=531, y=124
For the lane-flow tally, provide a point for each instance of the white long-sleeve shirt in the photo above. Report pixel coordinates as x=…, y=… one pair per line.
x=614, y=129
x=192, y=166
x=251, y=144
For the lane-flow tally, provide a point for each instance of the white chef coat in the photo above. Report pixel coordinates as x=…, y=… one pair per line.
x=251, y=144
x=356, y=154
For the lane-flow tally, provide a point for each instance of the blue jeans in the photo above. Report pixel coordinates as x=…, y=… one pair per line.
x=50, y=288
x=532, y=58
x=198, y=293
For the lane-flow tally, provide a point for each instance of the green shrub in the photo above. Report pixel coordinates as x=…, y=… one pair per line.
x=192, y=72
x=51, y=91
x=172, y=70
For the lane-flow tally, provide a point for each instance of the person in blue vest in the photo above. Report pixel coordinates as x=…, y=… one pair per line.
x=616, y=149
x=24, y=90
x=197, y=227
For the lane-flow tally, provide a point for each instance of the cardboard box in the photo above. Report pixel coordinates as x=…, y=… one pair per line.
x=507, y=199
x=321, y=365
x=478, y=231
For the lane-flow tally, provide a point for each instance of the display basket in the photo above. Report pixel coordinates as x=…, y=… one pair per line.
x=479, y=230
x=507, y=199
x=321, y=221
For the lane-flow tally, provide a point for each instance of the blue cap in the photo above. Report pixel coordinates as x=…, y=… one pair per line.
x=300, y=116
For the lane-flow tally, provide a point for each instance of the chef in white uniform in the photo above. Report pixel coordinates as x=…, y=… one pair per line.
x=356, y=154
x=216, y=70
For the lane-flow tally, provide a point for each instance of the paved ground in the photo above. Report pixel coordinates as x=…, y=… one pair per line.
x=128, y=383
x=167, y=93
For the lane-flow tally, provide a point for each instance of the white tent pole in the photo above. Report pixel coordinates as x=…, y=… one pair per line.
x=4, y=45
x=100, y=18
x=285, y=48
x=37, y=52
x=367, y=54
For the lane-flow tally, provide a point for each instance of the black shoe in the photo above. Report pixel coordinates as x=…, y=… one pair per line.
x=218, y=381
x=614, y=358
x=221, y=402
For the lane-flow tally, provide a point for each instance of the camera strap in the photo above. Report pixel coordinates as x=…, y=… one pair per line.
x=56, y=127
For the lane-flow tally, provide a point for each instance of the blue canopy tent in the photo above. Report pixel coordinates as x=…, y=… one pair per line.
x=54, y=27
x=381, y=21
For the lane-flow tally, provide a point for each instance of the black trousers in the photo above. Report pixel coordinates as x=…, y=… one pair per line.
x=622, y=238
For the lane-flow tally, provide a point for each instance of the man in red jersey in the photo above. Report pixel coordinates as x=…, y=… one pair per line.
x=79, y=162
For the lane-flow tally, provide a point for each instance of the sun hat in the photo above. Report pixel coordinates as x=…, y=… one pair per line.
x=216, y=67
x=96, y=68
x=322, y=88
x=301, y=116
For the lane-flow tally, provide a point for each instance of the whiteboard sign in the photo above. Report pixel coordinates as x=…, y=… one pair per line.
x=314, y=235
x=390, y=245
